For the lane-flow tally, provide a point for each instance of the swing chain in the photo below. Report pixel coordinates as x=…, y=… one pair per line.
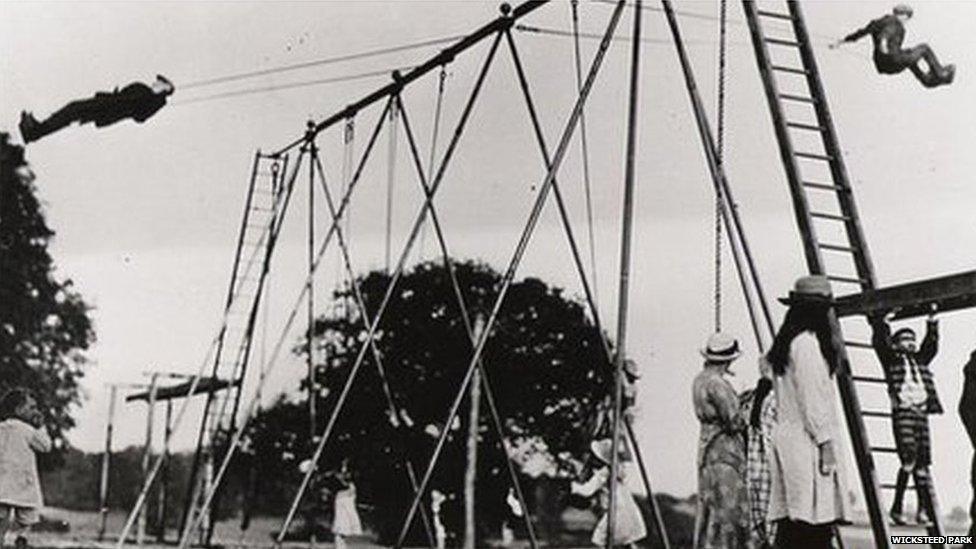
x=723, y=10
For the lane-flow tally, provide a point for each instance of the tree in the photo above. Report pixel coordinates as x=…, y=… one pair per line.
x=545, y=362
x=44, y=323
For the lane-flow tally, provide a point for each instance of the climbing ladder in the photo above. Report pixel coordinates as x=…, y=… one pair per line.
x=255, y=244
x=833, y=240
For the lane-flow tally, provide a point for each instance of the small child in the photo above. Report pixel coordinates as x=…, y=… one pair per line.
x=21, y=436
x=629, y=527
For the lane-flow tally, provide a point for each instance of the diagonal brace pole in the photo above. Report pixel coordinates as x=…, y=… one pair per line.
x=518, y=253
x=466, y=319
x=401, y=264
x=377, y=357
x=581, y=270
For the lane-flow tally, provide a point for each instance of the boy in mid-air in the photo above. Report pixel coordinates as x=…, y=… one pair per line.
x=890, y=57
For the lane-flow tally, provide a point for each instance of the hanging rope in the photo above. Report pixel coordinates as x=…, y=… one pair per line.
x=442, y=77
x=390, y=181
x=584, y=149
x=721, y=161
x=348, y=151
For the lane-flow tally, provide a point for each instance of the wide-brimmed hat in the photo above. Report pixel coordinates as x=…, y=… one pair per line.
x=902, y=9
x=721, y=347
x=602, y=450
x=810, y=289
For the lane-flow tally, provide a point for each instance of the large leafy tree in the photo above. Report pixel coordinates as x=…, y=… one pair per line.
x=44, y=323
x=546, y=365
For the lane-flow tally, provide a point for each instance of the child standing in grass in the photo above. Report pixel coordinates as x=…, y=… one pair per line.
x=21, y=436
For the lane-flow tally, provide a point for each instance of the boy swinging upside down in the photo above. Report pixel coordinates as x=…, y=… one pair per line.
x=888, y=33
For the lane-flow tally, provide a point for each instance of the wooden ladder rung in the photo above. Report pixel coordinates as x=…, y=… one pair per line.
x=798, y=98
x=845, y=279
x=774, y=15
x=875, y=413
x=813, y=156
x=791, y=70
x=802, y=126
x=890, y=486
x=822, y=186
x=781, y=42
x=859, y=345
x=830, y=216
x=884, y=450
x=868, y=379
x=836, y=248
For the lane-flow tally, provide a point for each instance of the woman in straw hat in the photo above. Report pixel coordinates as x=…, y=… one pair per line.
x=807, y=493
x=628, y=527
x=722, y=520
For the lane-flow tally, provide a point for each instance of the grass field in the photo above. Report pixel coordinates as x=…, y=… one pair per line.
x=84, y=528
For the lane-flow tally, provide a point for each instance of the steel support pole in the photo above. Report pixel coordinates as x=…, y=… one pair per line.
x=623, y=294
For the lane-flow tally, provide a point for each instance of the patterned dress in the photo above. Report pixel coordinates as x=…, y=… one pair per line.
x=723, y=503
x=758, y=476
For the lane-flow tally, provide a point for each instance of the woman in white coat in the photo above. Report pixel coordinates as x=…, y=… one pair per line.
x=807, y=497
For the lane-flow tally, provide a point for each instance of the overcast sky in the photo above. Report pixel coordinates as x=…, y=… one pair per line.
x=146, y=215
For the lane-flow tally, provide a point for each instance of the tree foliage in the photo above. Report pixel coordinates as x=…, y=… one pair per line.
x=546, y=366
x=44, y=323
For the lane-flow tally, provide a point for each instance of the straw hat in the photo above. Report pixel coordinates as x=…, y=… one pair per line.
x=721, y=347
x=809, y=289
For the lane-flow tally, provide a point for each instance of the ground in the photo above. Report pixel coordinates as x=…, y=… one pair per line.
x=84, y=531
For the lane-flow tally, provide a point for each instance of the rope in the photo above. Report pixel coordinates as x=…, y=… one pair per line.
x=442, y=77
x=302, y=84
x=318, y=62
x=390, y=181
x=723, y=10
x=584, y=147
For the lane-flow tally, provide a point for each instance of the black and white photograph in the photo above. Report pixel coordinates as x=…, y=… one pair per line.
x=620, y=274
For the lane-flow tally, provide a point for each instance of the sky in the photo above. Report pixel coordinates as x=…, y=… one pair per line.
x=147, y=215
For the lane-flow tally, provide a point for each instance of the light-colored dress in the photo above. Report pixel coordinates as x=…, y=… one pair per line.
x=345, y=521
x=628, y=524
x=20, y=485
x=806, y=416
x=722, y=520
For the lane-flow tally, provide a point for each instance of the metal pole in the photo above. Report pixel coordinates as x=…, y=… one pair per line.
x=164, y=485
x=390, y=182
x=445, y=56
x=421, y=217
x=377, y=358
x=289, y=322
x=147, y=453
x=310, y=346
x=581, y=271
x=471, y=471
x=469, y=328
x=106, y=463
x=517, y=255
x=625, y=252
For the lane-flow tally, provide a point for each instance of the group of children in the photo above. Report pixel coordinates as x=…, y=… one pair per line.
x=767, y=463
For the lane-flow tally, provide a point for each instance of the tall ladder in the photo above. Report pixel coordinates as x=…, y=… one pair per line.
x=827, y=217
x=255, y=244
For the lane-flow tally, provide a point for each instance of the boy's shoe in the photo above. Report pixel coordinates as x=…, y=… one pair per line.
x=21, y=543
x=897, y=518
x=948, y=74
x=922, y=518
x=28, y=127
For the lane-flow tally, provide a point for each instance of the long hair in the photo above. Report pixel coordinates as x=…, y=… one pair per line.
x=803, y=317
x=11, y=401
